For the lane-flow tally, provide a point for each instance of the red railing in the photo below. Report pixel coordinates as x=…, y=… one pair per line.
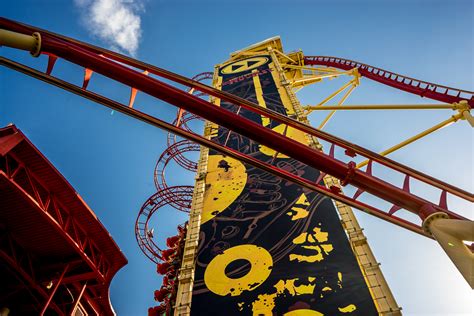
x=111, y=65
x=419, y=87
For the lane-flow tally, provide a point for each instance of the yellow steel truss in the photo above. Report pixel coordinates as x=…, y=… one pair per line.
x=462, y=108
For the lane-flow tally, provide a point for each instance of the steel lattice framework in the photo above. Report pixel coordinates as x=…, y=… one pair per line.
x=38, y=205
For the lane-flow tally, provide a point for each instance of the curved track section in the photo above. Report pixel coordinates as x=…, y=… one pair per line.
x=182, y=122
x=179, y=197
x=174, y=152
x=178, y=156
x=144, y=235
x=201, y=77
x=419, y=87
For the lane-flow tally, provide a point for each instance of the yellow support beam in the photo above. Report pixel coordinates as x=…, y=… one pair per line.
x=259, y=93
x=346, y=95
x=285, y=56
x=313, y=69
x=308, y=79
x=335, y=93
x=410, y=140
x=31, y=43
x=311, y=108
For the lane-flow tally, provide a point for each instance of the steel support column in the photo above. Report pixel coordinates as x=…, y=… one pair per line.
x=58, y=283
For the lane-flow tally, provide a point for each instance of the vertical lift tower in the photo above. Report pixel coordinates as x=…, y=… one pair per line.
x=257, y=244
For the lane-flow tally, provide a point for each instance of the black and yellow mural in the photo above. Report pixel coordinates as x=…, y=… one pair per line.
x=268, y=246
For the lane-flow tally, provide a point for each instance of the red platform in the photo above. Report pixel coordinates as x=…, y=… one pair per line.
x=56, y=258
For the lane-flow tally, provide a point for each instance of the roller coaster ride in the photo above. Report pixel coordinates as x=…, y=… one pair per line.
x=436, y=220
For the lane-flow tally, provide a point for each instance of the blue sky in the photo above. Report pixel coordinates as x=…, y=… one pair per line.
x=109, y=158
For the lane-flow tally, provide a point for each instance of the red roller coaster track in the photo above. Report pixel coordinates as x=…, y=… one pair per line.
x=419, y=87
x=137, y=75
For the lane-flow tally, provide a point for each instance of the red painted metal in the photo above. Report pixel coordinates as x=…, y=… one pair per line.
x=23, y=28
x=22, y=179
x=201, y=77
x=77, y=300
x=50, y=220
x=316, y=186
x=15, y=256
x=56, y=286
x=181, y=195
x=174, y=152
x=81, y=53
x=411, y=85
x=182, y=120
x=235, y=123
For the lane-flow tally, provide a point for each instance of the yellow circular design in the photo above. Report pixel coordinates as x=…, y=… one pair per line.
x=303, y=312
x=218, y=282
x=244, y=65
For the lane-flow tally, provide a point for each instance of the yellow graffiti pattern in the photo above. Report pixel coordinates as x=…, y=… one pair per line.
x=313, y=241
x=266, y=302
x=225, y=180
x=348, y=309
x=298, y=212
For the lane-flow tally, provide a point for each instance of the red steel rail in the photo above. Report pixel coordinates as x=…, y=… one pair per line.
x=111, y=65
x=419, y=87
x=179, y=194
x=144, y=67
x=119, y=107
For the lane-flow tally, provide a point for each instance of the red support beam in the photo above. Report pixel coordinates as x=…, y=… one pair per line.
x=78, y=299
x=26, y=29
x=81, y=241
x=88, y=56
x=238, y=124
x=13, y=256
x=56, y=286
x=208, y=143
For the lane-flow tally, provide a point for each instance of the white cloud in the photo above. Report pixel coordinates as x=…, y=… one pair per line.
x=117, y=22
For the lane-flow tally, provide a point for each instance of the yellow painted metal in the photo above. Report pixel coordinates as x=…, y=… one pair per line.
x=410, y=140
x=314, y=69
x=298, y=75
x=335, y=93
x=259, y=94
x=31, y=43
x=310, y=79
x=285, y=56
x=465, y=110
x=343, y=99
x=468, y=117
x=186, y=272
x=450, y=234
x=184, y=292
x=311, y=108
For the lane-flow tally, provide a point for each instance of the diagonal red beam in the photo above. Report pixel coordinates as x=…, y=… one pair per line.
x=56, y=286
x=13, y=261
x=314, y=186
x=240, y=125
x=26, y=29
